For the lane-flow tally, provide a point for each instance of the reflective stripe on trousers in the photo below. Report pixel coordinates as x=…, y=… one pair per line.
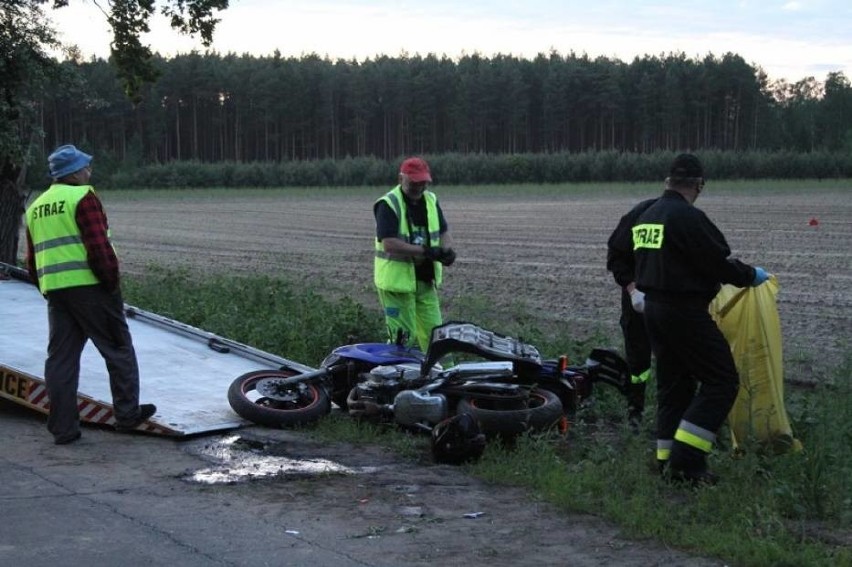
x=664, y=449
x=641, y=378
x=694, y=436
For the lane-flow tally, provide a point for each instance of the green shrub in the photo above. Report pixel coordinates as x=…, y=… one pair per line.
x=472, y=169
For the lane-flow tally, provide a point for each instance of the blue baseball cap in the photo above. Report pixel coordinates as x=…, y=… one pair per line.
x=66, y=160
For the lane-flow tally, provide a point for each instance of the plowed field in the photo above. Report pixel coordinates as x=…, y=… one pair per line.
x=541, y=248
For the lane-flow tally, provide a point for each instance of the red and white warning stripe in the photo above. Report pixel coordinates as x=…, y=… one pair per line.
x=30, y=391
x=37, y=396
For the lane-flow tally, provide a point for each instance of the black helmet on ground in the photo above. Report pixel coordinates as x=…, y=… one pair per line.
x=457, y=439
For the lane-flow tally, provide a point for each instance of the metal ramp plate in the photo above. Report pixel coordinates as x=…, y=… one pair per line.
x=185, y=371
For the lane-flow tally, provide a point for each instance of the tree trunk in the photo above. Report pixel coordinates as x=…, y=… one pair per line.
x=12, y=200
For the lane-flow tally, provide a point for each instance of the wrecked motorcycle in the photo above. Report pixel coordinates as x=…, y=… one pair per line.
x=284, y=397
x=513, y=391
x=513, y=388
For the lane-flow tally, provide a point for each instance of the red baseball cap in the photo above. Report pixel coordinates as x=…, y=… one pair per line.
x=416, y=169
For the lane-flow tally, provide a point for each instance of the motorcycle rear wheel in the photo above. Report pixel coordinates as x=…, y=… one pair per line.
x=294, y=405
x=543, y=411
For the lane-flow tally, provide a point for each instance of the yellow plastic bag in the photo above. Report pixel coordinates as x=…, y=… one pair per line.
x=748, y=318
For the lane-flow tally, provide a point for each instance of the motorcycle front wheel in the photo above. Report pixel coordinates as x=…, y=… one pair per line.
x=262, y=398
x=542, y=411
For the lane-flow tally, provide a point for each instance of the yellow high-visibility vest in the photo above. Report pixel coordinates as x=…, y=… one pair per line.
x=60, y=256
x=396, y=273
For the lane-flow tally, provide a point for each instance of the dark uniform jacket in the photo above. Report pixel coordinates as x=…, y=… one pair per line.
x=680, y=254
x=619, y=253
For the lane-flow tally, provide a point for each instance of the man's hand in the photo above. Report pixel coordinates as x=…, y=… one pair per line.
x=448, y=256
x=760, y=276
x=637, y=298
x=433, y=254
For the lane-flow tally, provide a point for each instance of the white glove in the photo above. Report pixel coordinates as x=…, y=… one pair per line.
x=637, y=298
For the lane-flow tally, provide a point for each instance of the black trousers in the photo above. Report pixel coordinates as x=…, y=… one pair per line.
x=76, y=315
x=637, y=350
x=697, y=380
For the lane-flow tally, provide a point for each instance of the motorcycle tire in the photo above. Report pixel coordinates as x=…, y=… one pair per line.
x=306, y=405
x=543, y=411
x=570, y=398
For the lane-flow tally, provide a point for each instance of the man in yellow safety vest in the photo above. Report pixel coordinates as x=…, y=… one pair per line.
x=70, y=257
x=412, y=247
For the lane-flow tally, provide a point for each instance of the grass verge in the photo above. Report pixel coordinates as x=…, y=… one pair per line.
x=770, y=510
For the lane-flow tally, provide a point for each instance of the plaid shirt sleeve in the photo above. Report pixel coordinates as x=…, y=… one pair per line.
x=94, y=228
x=31, y=259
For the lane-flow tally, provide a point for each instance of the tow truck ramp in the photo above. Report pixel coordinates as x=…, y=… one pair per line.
x=184, y=370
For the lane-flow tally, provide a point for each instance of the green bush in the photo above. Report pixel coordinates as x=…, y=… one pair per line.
x=466, y=169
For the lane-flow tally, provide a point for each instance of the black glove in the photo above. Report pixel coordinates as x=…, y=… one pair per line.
x=448, y=256
x=433, y=254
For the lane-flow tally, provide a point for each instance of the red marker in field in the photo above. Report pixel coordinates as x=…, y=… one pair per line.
x=814, y=221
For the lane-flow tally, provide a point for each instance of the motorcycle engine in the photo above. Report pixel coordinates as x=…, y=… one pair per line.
x=414, y=408
x=383, y=383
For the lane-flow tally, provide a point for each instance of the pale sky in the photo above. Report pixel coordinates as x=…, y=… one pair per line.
x=789, y=39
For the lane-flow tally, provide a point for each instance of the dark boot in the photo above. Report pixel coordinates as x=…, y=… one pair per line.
x=635, y=405
x=688, y=465
x=145, y=412
x=693, y=479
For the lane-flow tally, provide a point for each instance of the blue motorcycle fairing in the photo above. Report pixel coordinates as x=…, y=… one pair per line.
x=380, y=354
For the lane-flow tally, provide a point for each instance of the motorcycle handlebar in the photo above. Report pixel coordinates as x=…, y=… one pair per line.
x=305, y=376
